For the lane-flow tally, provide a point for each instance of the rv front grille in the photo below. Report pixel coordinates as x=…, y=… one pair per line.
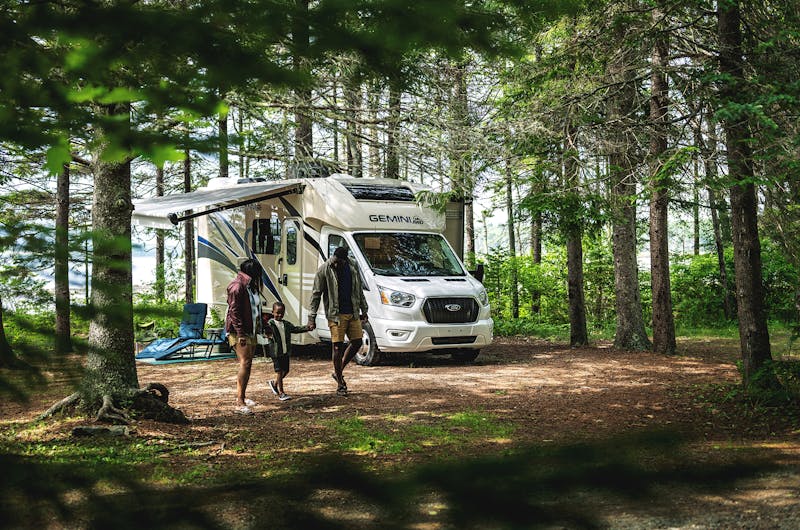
x=438, y=341
x=450, y=310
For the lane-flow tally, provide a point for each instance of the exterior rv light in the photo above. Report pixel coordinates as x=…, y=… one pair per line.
x=396, y=298
x=483, y=297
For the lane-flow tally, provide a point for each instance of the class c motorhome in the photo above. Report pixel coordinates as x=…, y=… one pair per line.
x=421, y=297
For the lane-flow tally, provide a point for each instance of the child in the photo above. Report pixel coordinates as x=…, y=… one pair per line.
x=280, y=347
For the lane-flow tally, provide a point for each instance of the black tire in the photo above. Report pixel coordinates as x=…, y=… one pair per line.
x=369, y=354
x=465, y=356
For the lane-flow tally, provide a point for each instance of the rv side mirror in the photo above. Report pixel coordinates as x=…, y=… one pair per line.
x=478, y=272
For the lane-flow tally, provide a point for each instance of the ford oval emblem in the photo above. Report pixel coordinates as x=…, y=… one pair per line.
x=453, y=307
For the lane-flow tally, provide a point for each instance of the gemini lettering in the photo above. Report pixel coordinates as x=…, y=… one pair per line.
x=375, y=218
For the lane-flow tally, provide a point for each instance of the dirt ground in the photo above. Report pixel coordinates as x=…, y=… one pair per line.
x=553, y=395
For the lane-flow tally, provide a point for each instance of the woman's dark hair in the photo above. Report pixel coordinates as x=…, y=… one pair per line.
x=253, y=268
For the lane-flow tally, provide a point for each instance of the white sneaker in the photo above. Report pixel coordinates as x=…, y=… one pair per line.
x=249, y=402
x=284, y=397
x=243, y=410
x=273, y=388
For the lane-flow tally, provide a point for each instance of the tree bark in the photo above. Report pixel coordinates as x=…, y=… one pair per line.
x=303, y=132
x=663, y=321
x=536, y=255
x=7, y=356
x=753, y=332
x=224, y=163
x=392, y=148
x=353, y=102
x=188, y=234
x=469, y=234
x=460, y=155
x=374, y=138
x=578, y=333
x=110, y=366
x=512, y=243
x=630, y=332
x=161, y=278
x=63, y=329
x=719, y=216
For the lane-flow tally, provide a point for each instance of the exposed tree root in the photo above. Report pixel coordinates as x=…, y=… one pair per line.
x=68, y=401
x=109, y=413
x=150, y=402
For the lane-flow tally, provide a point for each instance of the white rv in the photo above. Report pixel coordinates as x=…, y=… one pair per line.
x=421, y=297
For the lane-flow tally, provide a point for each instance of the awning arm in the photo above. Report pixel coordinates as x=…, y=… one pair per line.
x=175, y=219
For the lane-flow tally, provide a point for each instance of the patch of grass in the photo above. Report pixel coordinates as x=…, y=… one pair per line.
x=407, y=434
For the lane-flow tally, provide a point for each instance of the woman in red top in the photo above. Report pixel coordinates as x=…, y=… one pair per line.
x=243, y=323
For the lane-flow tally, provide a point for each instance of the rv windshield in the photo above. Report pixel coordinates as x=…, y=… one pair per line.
x=404, y=254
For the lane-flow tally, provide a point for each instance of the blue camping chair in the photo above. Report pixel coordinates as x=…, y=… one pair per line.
x=190, y=336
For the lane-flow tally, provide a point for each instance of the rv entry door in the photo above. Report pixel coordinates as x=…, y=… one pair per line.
x=290, y=270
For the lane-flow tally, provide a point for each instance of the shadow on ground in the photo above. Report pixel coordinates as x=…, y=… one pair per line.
x=572, y=486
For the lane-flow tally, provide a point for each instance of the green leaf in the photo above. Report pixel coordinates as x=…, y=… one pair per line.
x=85, y=94
x=160, y=154
x=121, y=95
x=57, y=156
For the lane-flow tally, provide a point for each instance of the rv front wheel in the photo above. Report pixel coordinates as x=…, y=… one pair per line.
x=368, y=355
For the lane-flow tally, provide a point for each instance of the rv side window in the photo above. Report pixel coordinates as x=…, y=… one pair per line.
x=291, y=243
x=263, y=242
x=275, y=227
x=335, y=242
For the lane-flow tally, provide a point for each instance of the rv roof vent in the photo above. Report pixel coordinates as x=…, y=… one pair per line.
x=415, y=280
x=378, y=192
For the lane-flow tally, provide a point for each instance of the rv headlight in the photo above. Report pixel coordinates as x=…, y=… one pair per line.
x=396, y=298
x=483, y=297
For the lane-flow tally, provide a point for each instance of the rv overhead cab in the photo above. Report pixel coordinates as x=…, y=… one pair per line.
x=421, y=297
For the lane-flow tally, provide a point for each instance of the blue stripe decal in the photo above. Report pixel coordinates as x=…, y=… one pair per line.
x=216, y=254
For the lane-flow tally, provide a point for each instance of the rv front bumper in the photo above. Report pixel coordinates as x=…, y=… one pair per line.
x=404, y=336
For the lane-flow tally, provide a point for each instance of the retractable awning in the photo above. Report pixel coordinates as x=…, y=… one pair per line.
x=169, y=210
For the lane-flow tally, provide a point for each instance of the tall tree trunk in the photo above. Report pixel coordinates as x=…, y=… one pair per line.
x=630, y=333
x=469, y=234
x=335, y=125
x=578, y=333
x=353, y=103
x=718, y=207
x=110, y=366
x=536, y=255
x=512, y=243
x=7, y=356
x=161, y=278
x=188, y=233
x=460, y=154
x=241, y=140
x=663, y=321
x=392, y=148
x=224, y=163
x=374, y=139
x=303, y=135
x=753, y=333
x=61, y=269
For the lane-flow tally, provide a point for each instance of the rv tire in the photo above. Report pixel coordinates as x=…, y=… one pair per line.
x=465, y=356
x=369, y=354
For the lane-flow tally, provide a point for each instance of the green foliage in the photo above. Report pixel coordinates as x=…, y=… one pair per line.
x=152, y=320
x=698, y=297
x=406, y=434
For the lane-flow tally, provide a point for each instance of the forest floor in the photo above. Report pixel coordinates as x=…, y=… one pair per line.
x=532, y=434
